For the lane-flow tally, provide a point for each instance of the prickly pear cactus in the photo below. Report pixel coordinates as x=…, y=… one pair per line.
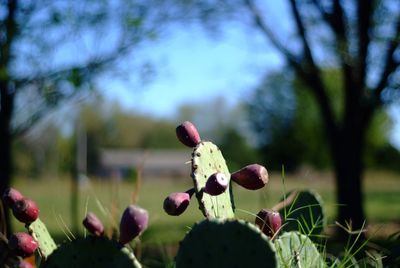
x=40, y=233
x=296, y=250
x=207, y=159
x=302, y=211
x=91, y=252
x=225, y=243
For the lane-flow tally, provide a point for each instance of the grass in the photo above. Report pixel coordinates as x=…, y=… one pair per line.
x=159, y=243
x=108, y=199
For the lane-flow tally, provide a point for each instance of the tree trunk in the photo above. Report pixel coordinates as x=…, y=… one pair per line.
x=348, y=163
x=7, y=99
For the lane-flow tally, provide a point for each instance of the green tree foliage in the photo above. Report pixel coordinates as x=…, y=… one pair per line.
x=237, y=150
x=112, y=127
x=288, y=127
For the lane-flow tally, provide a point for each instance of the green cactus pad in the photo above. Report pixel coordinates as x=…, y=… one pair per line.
x=302, y=211
x=39, y=232
x=90, y=252
x=225, y=243
x=297, y=250
x=207, y=159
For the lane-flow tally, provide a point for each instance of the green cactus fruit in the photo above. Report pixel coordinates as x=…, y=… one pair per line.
x=302, y=211
x=39, y=232
x=207, y=160
x=91, y=251
x=297, y=250
x=225, y=243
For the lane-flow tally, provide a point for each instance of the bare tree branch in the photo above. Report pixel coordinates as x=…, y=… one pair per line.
x=335, y=19
x=364, y=14
x=88, y=71
x=309, y=72
x=38, y=114
x=261, y=25
x=337, y=22
x=302, y=32
x=390, y=64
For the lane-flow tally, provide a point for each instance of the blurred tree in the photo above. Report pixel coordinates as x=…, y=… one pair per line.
x=361, y=38
x=237, y=150
x=52, y=51
x=107, y=125
x=282, y=110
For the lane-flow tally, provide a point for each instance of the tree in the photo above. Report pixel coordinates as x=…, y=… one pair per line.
x=361, y=39
x=280, y=109
x=52, y=51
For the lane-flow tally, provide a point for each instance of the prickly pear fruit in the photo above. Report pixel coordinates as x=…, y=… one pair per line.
x=188, y=134
x=93, y=224
x=216, y=184
x=25, y=264
x=176, y=203
x=133, y=222
x=268, y=221
x=11, y=196
x=251, y=177
x=25, y=210
x=22, y=244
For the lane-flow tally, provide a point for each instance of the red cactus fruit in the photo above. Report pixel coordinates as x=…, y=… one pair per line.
x=133, y=222
x=216, y=184
x=93, y=224
x=25, y=210
x=268, y=221
x=176, y=203
x=22, y=244
x=188, y=134
x=251, y=177
x=11, y=196
x=25, y=264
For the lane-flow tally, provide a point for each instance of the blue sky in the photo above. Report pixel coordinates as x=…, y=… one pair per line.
x=192, y=67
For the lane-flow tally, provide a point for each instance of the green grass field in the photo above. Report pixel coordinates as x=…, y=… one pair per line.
x=108, y=200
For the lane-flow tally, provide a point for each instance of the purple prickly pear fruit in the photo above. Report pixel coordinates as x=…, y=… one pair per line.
x=22, y=244
x=11, y=196
x=216, y=184
x=25, y=264
x=133, y=222
x=93, y=224
x=25, y=210
x=188, y=134
x=268, y=221
x=176, y=203
x=251, y=177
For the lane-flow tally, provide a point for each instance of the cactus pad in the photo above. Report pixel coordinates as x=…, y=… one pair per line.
x=90, y=252
x=297, y=250
x=207, y=159
x=225, y=243
x=40, y=233
x=302, y=211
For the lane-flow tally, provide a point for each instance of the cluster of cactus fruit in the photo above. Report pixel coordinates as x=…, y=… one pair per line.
x=95, y=250
x=279, y=237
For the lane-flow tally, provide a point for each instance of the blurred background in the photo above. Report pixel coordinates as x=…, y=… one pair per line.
x=91, y=93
